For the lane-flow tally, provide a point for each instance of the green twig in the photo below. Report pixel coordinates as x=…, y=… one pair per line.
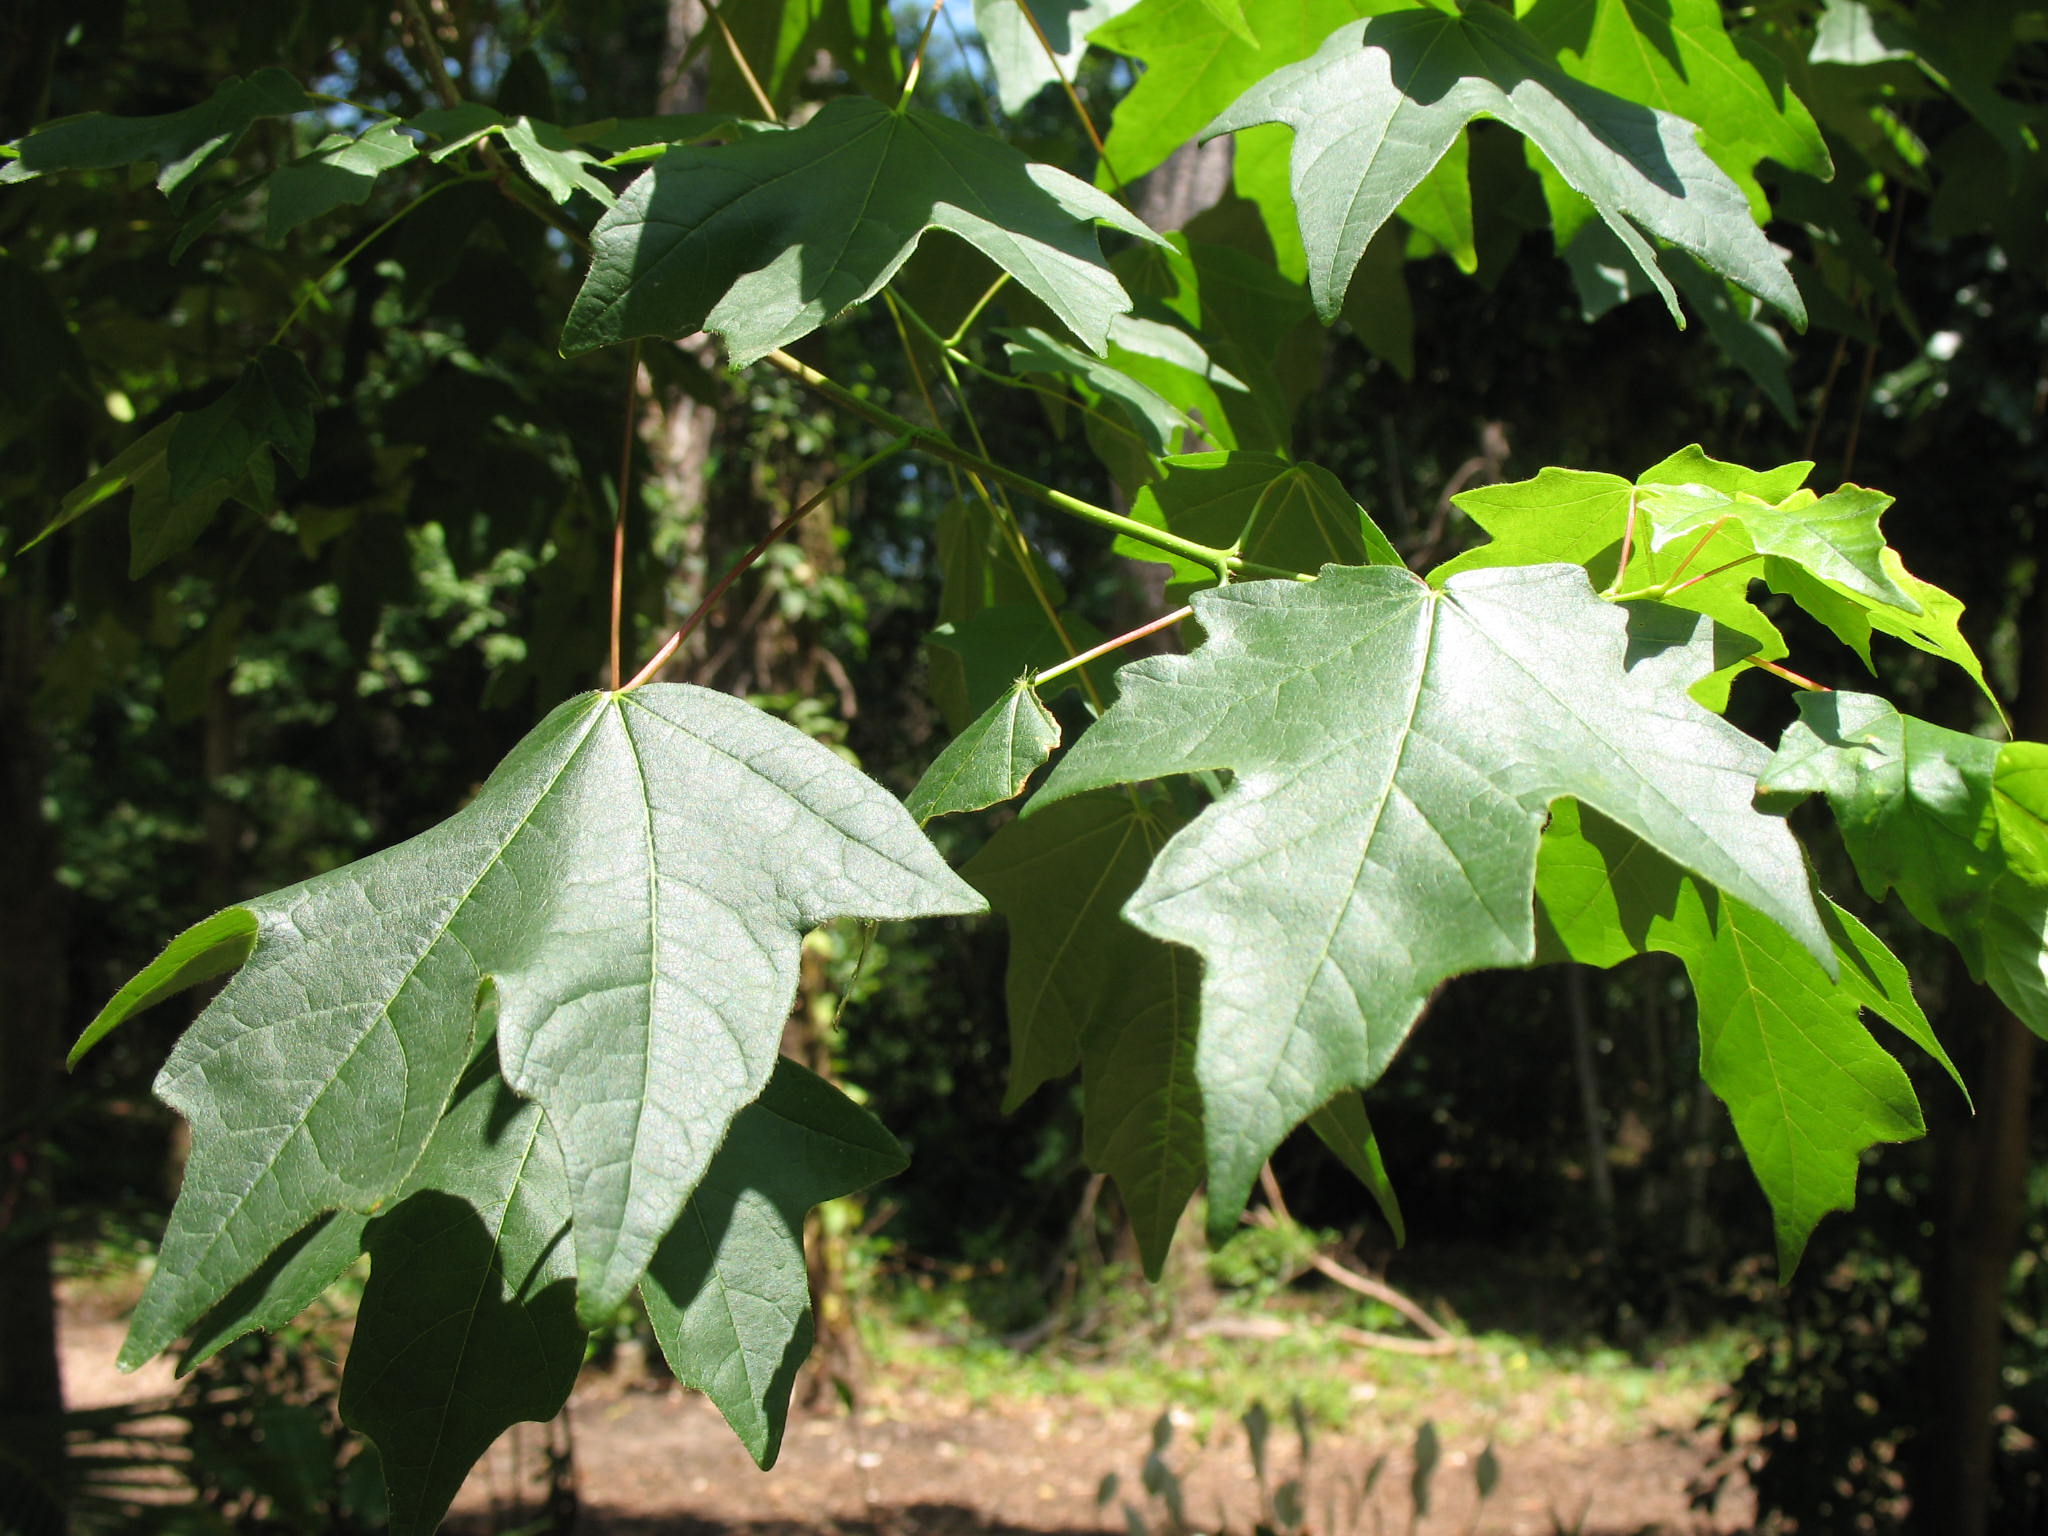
x=313, y=288
x=917, y=60
x=950, y=353
x=960, y=331
x=1221, y=561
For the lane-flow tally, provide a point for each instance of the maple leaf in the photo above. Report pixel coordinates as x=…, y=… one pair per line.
x=1677, y=55
x=1274, y=512
x=182, y=144
x=728, y=1293
x=1394, y=752
x=766, y=239
x=1955, y=824
x=468, y=1323
x=1383, y=100
x=1781, y=1043
x=623, y=899
x=1084, y=986
x=990, y=760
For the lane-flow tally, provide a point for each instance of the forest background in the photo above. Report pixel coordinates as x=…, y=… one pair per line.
x=257, y=694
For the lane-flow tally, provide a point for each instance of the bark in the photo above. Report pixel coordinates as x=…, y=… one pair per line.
x=32, y=982
x=1592, y=1113
x=1191, y=181
x=1985, y=1181
x=1982, y=1178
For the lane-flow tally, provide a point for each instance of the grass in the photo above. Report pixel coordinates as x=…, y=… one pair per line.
x=1512, y=1388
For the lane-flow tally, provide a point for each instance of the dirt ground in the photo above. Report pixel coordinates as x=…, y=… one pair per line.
x=654, y=1460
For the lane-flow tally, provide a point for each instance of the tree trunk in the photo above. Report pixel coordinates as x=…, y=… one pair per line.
x=1982, y=1178
x=1984, y=1182
x=32, y=982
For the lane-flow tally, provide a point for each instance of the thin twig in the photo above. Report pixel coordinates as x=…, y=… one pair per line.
x=1073, y=97
x=1111, y=645
x=917, y=60
x=619, y=522
x=939, y=446
x=746, y=561
x=313, y=288
x=430, y=50
x=1788, y=674
x=1891, y=261
x=960, y=331
x=739, y=59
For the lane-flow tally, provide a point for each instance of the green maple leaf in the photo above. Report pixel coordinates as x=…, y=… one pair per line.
x=1085, y=987
x=1253, y=322
x=1383, y=100
x=1678, y=57
x=1953, y=823
x=1395, y=750
x=1781, y=1043
x=728, y=1293
x=269, y=408
x=1933, y=625
x=1202, y=55
x=1584, y=519
x=468, y=1324
x=987, y=652
x=625, y=896
x=1018, y=56
x=340, y=170
x=555, y=161
x=1197, y=63
x=181, y=144
x=1154, y=421
x=989, y=761
x=1272, y=511
x=1835, y=537
x=1343, y=1126
x=766, y=239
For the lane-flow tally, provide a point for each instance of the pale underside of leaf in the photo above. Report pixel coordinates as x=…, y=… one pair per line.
x=627, y=892
x=1394, y=754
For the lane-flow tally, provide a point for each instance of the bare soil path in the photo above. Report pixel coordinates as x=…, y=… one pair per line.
x=911, y=1464
x=654, y=1460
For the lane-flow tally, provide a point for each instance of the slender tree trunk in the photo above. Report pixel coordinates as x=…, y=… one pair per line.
x=1984, y=1181
x=1591, y=1112
x=1982, y=1171
x=32, y=985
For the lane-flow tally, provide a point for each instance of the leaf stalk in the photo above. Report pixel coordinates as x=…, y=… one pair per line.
x=1072, y=662
x=1221, y=561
